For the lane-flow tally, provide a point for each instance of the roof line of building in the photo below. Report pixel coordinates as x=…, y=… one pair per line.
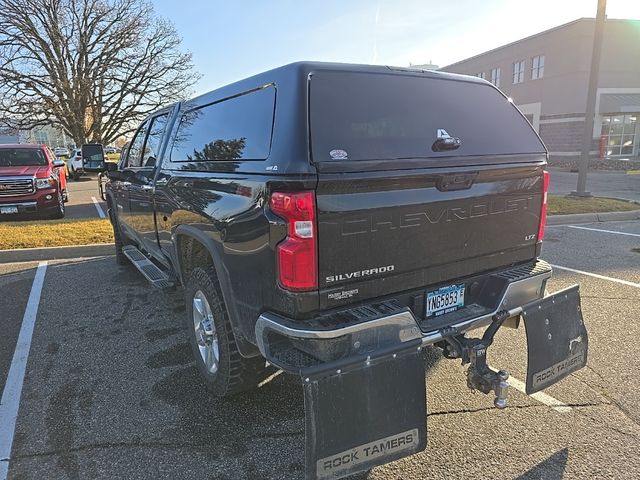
x=583, y=19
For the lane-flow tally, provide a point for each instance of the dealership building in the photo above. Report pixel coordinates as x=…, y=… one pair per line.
x=547, y=76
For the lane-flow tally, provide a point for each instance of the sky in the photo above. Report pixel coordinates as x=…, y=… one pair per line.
x=232, y=40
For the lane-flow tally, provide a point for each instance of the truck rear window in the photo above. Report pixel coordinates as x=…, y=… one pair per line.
x=364, y=116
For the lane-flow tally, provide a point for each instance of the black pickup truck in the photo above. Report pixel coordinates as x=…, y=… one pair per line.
x=332, y=221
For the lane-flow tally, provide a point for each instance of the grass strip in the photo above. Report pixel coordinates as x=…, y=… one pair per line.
x=54, y=233
x=562, y=205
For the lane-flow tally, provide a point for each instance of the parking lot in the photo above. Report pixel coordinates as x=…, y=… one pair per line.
x=84, y=198
x=110, y=390
x=600, y=183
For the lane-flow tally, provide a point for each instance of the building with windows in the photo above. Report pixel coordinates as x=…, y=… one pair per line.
x=547, y=76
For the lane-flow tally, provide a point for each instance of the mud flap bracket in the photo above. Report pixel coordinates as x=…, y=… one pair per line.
x=556, y=338
x=364, y=411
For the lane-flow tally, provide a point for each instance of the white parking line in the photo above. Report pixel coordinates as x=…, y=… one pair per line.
x=604, y=231
x=269, y=378
x=13, y=388
x=542, y=397
x=98, y=207
x=595, y=275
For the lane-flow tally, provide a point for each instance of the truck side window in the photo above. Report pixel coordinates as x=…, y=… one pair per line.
x=232, y=129
x=152, y=146
x=134, y=154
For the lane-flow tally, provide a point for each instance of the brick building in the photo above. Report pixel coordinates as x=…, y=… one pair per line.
x=547, y=76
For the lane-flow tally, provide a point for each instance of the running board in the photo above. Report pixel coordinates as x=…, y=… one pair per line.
x=150, y=270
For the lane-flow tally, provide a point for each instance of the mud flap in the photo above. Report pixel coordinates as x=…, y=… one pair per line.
x=556, y=338
x=365, y=411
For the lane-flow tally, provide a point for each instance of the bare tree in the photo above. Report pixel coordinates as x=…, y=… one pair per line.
x=94, y=68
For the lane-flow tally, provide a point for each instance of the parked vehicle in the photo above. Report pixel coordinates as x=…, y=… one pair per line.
x=61, y=152
x=337, y=228
x=112, y=154
x=75, y=164
x=32, y=180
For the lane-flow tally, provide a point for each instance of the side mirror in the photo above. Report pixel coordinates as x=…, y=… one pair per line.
x=110, y=166
x=58, y=163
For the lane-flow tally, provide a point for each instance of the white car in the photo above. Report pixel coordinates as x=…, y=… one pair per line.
x=61, y=152
x=75, y=165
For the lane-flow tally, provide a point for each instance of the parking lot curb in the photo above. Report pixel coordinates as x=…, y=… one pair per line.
x=592, y=217
x=54, y=253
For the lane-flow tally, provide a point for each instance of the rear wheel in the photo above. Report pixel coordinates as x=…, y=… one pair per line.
x=225, y=371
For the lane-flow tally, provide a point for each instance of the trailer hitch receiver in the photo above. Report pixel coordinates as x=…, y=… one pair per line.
x=473, y=351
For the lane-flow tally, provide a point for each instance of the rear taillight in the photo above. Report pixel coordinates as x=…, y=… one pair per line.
x=543, y=209
x=296, y=255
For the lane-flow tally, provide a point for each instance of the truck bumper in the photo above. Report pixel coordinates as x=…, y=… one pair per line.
x=293, y=346
x=34, y=203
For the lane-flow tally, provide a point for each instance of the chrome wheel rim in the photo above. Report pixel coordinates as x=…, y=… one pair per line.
x=205, y=332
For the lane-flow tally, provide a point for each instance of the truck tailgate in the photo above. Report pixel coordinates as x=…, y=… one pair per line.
x=385, y=232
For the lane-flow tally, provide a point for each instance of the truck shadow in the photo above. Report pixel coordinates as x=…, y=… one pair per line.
x=263, y=429
x=550, y=469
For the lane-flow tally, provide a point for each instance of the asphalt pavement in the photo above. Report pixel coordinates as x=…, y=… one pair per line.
x=599, y=183
x=111, y=390
x=83, y=196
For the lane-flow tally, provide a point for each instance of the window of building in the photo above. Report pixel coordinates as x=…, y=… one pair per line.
x=620, y=132
x=41, y=136
x=480, y=75
x=537, y=67
x=495, y=76
x=233, y=129
x=518, y=72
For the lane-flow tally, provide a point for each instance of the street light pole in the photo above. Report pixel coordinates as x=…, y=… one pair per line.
x=587, y=136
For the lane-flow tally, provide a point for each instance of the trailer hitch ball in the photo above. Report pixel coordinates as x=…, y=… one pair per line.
x=501, y=390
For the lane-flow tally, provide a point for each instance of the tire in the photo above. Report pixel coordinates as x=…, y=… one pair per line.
x=59, y=210
x=118, y=240
x=232, y=373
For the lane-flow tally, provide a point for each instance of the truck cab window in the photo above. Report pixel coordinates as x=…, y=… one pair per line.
x=152, y=147
x=134, y=155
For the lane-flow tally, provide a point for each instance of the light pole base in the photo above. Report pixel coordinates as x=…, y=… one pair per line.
x=580, y=194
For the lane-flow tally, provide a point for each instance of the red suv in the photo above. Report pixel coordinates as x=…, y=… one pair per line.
x=32, y=180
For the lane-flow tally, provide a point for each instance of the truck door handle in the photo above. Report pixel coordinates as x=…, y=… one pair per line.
x=146, y=188
x=460, y=181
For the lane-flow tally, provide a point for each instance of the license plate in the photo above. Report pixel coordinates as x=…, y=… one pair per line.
x=4, y=210
x=445, y=300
